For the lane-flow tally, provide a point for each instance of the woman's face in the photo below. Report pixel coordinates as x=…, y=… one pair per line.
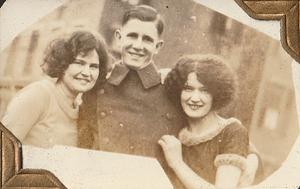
x=82, y=73
x=195, y=100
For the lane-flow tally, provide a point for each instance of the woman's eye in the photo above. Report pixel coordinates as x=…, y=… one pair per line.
x=203, y=89
x=187, y=88
x=78, y=63
x=95, y=66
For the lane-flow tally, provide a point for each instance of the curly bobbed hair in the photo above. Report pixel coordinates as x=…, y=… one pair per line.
x=60, y=53
x=211, y=71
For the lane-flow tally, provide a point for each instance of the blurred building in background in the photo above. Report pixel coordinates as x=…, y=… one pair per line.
x=266, y=103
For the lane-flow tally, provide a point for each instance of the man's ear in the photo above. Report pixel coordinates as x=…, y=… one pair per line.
x=118, y=35
x=159, y=45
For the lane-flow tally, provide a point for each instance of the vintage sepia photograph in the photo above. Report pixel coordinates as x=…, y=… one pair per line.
x=132, y=94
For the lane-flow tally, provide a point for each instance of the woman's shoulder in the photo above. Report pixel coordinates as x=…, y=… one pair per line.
x=34, y=97
x=234, y=137
x=42, y=84
x=233, y=125
x=38, y=90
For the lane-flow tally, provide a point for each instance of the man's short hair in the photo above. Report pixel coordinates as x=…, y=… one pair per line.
x=145, y=13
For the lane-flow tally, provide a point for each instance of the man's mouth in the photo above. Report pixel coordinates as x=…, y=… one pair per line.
x=135, y=54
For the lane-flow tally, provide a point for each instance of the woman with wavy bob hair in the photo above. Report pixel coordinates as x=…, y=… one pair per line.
x=210, y=148
x=211, y=70
x=45, y=112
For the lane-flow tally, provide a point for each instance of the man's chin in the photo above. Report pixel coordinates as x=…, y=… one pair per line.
x=134, y=65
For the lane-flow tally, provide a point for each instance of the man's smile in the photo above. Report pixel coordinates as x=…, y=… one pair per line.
x=136, y=54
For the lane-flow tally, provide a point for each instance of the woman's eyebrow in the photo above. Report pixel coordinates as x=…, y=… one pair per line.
x=76, y=59
x=83, y=61
x=187, y=85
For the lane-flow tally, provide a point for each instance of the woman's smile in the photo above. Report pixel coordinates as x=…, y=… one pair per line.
x=83, y=80
x=195, y=106
x=195, y=100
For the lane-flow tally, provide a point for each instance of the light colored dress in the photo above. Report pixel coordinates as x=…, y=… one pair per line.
x=42, y=115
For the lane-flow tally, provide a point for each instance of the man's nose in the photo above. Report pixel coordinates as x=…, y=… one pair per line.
x=138, y=44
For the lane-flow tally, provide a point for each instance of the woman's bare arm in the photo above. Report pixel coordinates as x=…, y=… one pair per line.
x=227, y=176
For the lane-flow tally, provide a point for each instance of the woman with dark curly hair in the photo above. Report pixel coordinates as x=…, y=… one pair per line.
x=214, y=148
x=45, y=112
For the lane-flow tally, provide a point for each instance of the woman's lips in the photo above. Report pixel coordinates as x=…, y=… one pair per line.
x=195, y=106
x=83, y=80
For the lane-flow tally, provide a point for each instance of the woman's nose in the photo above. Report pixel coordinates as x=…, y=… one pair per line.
x=86, y=70
x=196, y=97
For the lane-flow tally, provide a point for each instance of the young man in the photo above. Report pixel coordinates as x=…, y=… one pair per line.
x=131, y=111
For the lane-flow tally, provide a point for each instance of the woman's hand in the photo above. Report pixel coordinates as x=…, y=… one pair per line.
x=172, y=149
x=173, y=153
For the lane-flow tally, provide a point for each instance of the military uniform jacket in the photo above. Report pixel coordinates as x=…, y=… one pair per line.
x=129, y=114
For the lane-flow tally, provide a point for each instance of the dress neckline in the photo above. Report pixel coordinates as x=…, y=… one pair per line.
x=189, y=139
x=63, y=100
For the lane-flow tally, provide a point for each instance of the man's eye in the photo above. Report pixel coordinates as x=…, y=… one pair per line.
x=148, y=39
x=132, y=35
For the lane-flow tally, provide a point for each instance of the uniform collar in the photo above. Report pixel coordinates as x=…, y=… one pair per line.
x=148, y=75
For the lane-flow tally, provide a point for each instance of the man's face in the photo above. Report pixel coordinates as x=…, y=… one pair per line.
x=139, y=41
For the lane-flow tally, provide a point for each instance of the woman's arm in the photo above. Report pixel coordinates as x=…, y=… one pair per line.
x=24, y=110
x=189, y=178
x=248, y=175
x=173, y=153
x=227, y=176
